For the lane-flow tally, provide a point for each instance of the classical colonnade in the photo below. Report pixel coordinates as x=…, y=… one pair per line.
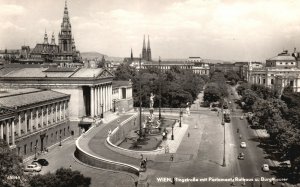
x=101, y=95
x=32, y=119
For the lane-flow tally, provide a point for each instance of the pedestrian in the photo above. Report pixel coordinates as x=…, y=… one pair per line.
x=172, y=157
x=70, y=166
x=188, y=134
x=173, y=180
x=142, y=157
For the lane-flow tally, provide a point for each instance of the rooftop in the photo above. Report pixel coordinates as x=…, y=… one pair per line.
x=17, y=99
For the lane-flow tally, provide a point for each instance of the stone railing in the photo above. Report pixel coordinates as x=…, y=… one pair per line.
x=118, y=135
x=100, y=162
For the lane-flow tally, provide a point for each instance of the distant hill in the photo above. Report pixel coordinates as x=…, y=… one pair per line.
x=92, y=55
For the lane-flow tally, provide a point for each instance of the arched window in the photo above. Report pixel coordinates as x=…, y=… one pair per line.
x=65, y=46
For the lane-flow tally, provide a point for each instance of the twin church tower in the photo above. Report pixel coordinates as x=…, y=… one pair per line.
x=146, y=52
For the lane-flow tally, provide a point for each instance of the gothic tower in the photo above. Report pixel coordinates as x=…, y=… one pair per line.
x=131, y=55
x=45, y=38
x=148, y=50
x=144, y=51
x=53, y=39
x=65, y=41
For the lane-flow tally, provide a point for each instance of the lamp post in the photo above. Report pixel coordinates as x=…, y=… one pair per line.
x=172, y=136
x=223, y=123
x=256, y=178
x=60, y=140
x=102, y=111
x=114, y=105
x=159, y=75
x=140, y=99
x=35, y=152
x=180, y=116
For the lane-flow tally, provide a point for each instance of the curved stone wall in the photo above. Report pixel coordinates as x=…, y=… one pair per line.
x=95, y=161
x=119, y=133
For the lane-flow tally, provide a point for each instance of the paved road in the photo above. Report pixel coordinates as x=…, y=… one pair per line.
x=206, y=146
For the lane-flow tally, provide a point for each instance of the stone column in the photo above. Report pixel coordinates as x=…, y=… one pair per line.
x=92, y=102
x=42, y=110
x=25, y=116
x=37, y=118
x=7, y=131
x=31, y=121
x=19, y=125
x=55, y=112
x=105, y=99
x=60, y=113
x=65, y=110
x=1, y=130
x=101, y=96
x=47, y=115
x=96, y=100
x=13, y=132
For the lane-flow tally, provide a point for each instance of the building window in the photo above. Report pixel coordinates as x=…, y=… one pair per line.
x=272, y=81
x=25, y=149
x=264, y=81
x=123, y=93
x=292, y=62
x=30, y=146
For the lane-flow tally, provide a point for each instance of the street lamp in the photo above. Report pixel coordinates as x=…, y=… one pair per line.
x=35, y=152
x=114, y=105
x=159, y=75
x=223, y=123
x=256, y=178
x=60, y=140
x=140, y=98
x=172, y=136
x=102, y=111
x=180, y=116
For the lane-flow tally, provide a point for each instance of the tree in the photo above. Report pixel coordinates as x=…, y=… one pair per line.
x=125, y=72
x=249, y=98
x=232, y=76
x=241, y=88
x=212, y=93
x=61, y=178
x=10, y=167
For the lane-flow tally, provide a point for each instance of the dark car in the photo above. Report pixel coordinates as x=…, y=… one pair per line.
x=241, y=156
x=42, y=162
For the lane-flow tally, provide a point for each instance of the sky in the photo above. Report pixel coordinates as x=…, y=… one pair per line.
x=231, y=30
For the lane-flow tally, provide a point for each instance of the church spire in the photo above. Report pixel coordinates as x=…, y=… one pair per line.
x=45, y=38
x=144, y=43
x=149, y=58
x=53, y=39
x=148, y=45
x=144, y=50
x=131, y=54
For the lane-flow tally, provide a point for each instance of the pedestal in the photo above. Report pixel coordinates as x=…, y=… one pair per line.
x=143, y=180
x=151, y=110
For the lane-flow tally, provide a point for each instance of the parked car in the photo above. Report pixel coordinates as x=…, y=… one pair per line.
x=243, y=145
x=242, y=117
x=265, y=167
x=33, y=168
x=241, y=156
x=214, y=109
x=42, y=162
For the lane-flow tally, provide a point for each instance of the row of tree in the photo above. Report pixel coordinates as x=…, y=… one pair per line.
x=216, y=88
x=280, y=117
x=177, y=86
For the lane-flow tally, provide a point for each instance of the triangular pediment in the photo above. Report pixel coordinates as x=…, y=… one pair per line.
x=105, y=74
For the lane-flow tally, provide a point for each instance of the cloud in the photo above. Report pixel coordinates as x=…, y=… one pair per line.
x=10, y=9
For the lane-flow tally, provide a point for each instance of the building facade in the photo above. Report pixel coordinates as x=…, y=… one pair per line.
x=280, y=71
x=31, y=120
x=90, y=89
x=63, y=53
x=122, y=96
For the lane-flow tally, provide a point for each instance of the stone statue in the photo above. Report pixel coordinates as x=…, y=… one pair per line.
x=151, y=100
